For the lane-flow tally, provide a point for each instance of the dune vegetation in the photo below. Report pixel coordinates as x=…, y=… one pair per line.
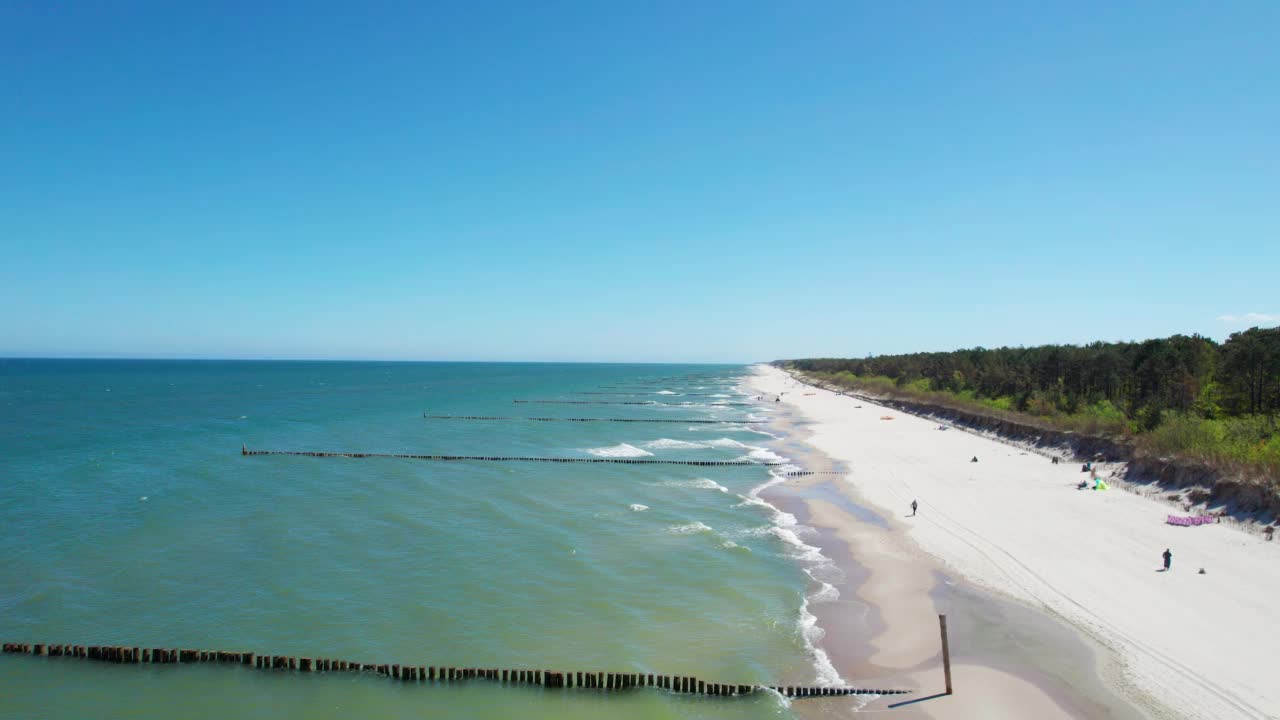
x=1186, y=397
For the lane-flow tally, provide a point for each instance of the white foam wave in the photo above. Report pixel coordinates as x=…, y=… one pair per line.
x=827, y=674
x=719, y=395
x=786, y=528
x=638, y=507
x=801, y=549
x=665, y=392
x=689, y=528
x=826, y=593
x=620, y=450
x=726, y=443
x=762, y=455
x=699, y=483
x=669, y=444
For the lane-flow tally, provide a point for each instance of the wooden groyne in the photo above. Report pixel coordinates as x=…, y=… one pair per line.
x=632, y=402
x=630, y=420
x=647, y=392
x=550, y=679
x=589, y=402
x=503, y=458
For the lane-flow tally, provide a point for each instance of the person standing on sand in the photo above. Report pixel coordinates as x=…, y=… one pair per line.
x=913, y=508
x=1168, y=559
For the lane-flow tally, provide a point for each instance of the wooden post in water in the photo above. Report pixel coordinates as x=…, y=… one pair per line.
x=946, y=652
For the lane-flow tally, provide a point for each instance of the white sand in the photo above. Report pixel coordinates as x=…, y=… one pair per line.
x=1200, y=645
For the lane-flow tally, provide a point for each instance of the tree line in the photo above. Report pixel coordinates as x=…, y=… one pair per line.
x=1144, y=382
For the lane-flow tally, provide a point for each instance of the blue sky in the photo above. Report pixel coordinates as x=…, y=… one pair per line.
x=632, y=181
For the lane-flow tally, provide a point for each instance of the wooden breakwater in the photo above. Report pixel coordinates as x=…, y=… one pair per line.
x=649, y=392
x=633, y=402
x=503, y=458
x=629, y=420
x=551, y=679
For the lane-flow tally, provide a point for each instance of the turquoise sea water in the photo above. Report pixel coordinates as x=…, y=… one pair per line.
x=130, y=517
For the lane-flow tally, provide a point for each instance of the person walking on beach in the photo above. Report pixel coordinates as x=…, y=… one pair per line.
x=1168, y=559
x=913, y=508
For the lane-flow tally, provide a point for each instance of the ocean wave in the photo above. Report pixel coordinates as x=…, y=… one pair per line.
x=786, y=528
x=621, y=450
x=720, y=395
x=825, y=593
x=762, y=455
x=669, y=444
x=698, y=483
x=666, y=392
x=689, y=528
x=638, y=507
x=778, y=519
x=726, y=443
x=812, y=634
x=799, y=548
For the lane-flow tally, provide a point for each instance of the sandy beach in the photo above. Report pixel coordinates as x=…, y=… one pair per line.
x=1056, y=597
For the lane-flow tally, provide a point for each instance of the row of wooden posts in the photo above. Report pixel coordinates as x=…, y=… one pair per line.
x=628, y=402
x=628, y=420
x=428, y=673
x=500, y=458
x=646, y=392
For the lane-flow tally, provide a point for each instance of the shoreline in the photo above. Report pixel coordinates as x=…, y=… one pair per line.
x=883, y=629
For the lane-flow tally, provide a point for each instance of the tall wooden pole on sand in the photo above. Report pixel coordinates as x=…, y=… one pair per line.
x=946, y=651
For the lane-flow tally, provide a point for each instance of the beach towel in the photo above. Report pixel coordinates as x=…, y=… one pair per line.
x=1190, y=521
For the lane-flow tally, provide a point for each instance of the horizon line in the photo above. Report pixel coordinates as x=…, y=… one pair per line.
x=4, y=358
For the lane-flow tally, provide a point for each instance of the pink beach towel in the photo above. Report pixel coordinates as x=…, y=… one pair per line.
x=1188, y=521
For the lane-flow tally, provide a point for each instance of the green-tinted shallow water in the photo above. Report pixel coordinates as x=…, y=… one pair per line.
x=130, y=517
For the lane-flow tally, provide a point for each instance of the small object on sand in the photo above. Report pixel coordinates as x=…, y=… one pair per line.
x=1190, y=521
x=975, y=459
x=1201, y=571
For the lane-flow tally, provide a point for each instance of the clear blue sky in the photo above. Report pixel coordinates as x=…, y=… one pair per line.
x=632, y=181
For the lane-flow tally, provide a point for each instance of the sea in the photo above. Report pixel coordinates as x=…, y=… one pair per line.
x=131, y=517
